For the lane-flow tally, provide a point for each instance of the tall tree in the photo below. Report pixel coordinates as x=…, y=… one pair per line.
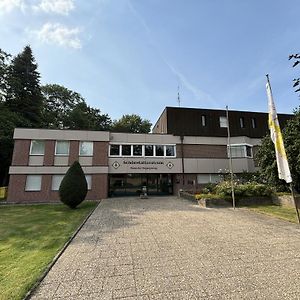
x=296, y=61
x=58, y=102
x=131, y=123
x=88, y=118
x=4, y=62
x=23, y=92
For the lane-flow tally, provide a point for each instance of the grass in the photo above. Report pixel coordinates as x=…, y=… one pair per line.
x=281, y=212
x=30, y=237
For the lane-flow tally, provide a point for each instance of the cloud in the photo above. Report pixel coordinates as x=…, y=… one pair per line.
x=62, y=7
x=55, y=33
x=7, y=6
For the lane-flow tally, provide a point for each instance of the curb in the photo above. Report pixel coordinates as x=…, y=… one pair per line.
x=57, y=256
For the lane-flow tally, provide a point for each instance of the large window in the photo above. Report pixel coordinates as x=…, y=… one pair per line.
x=170, y=150
x=62, y=148
x=137, y=150
x=240, y=151
x=114, y=150
x=33, y=183
x=208, y=178
x=159, y=150
x=223, y=122
x=86, y=149
x=56, y=181
x=37, y=147
x=126, y=150
x=142, y=150
x=149, y=150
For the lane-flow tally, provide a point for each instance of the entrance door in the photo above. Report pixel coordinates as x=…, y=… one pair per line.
x=131, y=184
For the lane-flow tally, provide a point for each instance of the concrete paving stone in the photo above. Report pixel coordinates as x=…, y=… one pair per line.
x=169, y=248
x=91, y=286
x=118, y=282
x=68, y=289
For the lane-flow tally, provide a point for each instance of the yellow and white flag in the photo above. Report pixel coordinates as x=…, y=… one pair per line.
x=276, y=136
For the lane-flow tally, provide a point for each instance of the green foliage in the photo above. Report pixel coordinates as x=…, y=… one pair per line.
x=250, y=189
x=88, y=118
x=73, y=188
x=4, y=63
x=266, y=159
x=8, y=121
x=58, y=102
x=131, y=123
x=23, y=94
x=208, y=188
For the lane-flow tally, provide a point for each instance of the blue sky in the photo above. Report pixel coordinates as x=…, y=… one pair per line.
x=129, y=56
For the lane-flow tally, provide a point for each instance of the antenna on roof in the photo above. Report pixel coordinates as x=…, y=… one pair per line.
x=178, y=96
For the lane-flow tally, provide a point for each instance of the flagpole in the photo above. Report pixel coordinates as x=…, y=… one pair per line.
x=230, y=159
x=290, y=182
x=296, y=206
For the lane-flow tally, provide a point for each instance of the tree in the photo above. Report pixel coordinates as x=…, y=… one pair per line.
x=8, y=122
x=4, y=62
x=73, y=188
x=266, y=158
x=296, y=59
x=23, y=92
x=58, y=102
x=87, y=118
x=66, y=109
x=131, y=123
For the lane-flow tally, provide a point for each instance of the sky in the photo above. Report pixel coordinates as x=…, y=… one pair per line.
x=130, y=56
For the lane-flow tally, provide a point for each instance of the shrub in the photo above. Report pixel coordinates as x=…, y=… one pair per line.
x=209, y=188
x=251, y=189
x=73, y=188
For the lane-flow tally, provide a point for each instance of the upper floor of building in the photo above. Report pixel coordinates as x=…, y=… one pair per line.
x=213, y=123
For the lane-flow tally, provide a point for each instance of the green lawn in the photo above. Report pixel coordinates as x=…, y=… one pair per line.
x=30, y=236
x=281, y=212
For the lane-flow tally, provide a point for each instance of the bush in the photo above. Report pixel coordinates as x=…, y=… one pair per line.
x=251, y=189
x=73, y=188
x=209, y=188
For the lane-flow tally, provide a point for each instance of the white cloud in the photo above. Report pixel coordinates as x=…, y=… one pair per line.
x=60, y=35
x=7, y=6
x=62, y=7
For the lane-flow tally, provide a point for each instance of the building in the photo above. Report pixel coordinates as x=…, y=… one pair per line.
x=188, y=148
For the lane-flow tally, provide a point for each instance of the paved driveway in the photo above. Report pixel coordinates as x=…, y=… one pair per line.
x=169, y=248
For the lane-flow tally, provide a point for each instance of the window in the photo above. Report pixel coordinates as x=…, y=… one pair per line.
x=56, y=181
x=33, y=183
x=203, y=120
x=126, y=150
x=240, y=151
x=248, y=151
x=37, y=147
x=62, y=148
x=223, y=122
x=86, y=149
x=159, y=150
x=170, y=151
x=253, y=122
x=148, y=150
x=89, y=181
x=114, y=150
x=242, y=122
x=137, y=150
x=208, y=178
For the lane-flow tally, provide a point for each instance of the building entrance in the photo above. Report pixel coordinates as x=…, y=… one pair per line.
x=131, y=184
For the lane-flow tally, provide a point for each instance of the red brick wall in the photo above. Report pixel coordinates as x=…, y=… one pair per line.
x=74, y=151
x=100, y=157
x=17, y=194
x=21, y=153
x=49, y=153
